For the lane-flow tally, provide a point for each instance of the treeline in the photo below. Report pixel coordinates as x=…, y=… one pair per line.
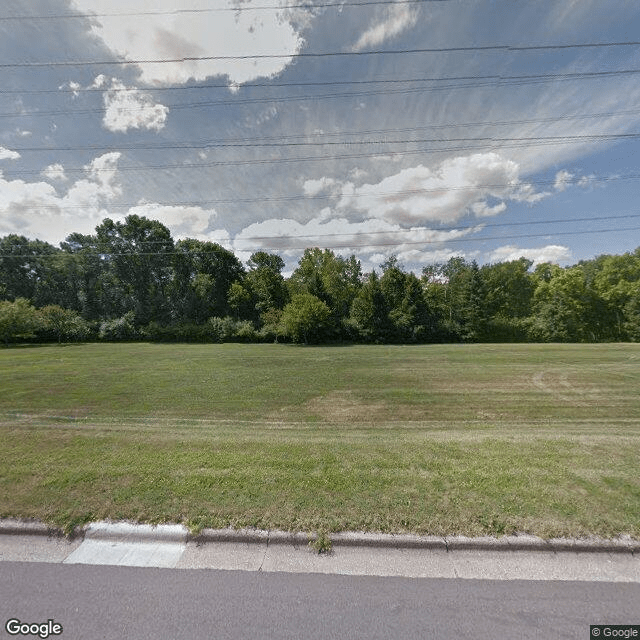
x=131, y=281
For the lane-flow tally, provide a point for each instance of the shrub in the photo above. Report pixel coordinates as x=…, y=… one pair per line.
x=119, y=329
x=19, y=320
x=63, y=325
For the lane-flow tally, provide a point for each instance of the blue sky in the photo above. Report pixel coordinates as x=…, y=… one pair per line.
x=474, y=146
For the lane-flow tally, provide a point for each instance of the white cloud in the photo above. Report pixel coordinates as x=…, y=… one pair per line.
x=192, y=34
x=457, y=186
x=369, y=239
x=397, y=18
x=129, y=108
x=551, y=253
x=8, y=154
x=563, y=180
x=55, y=172
x=183, y=221
x=35, y=209
x=316, y=187
x=75, y=87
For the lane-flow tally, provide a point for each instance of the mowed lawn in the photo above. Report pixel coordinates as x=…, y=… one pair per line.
x=433, y=439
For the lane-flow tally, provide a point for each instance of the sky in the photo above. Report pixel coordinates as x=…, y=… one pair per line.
x=487, y=129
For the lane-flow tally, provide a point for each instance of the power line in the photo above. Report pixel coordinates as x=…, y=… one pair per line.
x=505, y=144
x=323, y=54
x=523, y=79
x=252, y=145
x=190, y=145
x=349, y=245
x=505, y=81
x=479, y=226
x=238, y=9
x=402, y=192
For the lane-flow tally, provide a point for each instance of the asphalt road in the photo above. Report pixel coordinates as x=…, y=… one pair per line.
x=94, y=602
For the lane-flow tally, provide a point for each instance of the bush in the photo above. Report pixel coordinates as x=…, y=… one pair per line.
x=19, y=320
x=307, y=319
x=63, y=325
x=119, y=329
x=220, y=329
x=244, y=331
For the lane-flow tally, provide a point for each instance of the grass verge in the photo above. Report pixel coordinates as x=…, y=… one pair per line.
x=473, y=439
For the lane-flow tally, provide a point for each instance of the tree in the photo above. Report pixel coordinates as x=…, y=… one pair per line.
x=138, y=253
x=266, y=284
x=565, y=309
x=18, y=320
x=60, y=324
x=306, y=319
x=369, y=314
x=23, y=267
x=508, y=294
x=203, y=275
x=333, y=279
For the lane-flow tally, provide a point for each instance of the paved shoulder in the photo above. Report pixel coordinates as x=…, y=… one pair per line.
x=171, y=546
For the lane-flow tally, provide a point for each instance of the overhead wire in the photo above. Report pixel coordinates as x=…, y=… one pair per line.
x=490, y=144
x=591, y=179
x=504, y=81
x=236, y=9
x=348, y=245
x=503, y=48
x=522, y=79
x=190, y=145
x=279, y=144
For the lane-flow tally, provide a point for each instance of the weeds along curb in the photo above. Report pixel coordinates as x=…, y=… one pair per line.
x=34, y=528
x=322, y=541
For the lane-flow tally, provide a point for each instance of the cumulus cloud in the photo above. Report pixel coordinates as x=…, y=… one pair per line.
x=550, y=253
x=195, y=34
x=456, y=187
x=397, y=18
x=8, y=154
x=55, y=172
x=35, y=209
x=129, y=108
x=563, y=179
x=316, y=187
x=184, y=221
x=370, y=239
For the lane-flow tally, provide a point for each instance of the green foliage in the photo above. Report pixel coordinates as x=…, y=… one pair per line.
x=306, y=319
x=321, y=542
x=119, y=329
x=332, y=279
x=265, y=283
x=369, y=312
x=19, y=320
x=130, y=281
x=63, y=325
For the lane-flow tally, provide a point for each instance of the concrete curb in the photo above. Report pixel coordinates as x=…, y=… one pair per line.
x=131, y=532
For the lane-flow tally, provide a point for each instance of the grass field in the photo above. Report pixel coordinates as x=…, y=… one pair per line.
x=469, y=439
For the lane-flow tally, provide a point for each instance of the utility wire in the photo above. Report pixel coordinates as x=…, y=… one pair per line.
x=349, y=245
x=479, y=226
x=252, y=145
x=518, y=143
x=329, y=196
x=499, y=81
x=308, y=6
x=189, y=145
x=323, y=54
x=523, y=79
